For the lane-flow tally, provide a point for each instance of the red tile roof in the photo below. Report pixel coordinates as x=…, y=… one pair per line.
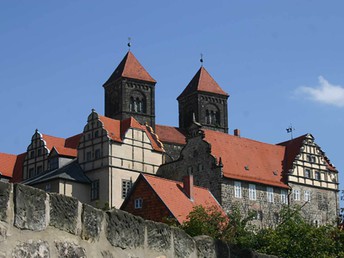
x=170, y=134
x=7, y=163
x=18, y=169
x=65, y=147
x=130, y=67
x=248, y=160
x=171, y=193
x=202, y=81
x=116, y=130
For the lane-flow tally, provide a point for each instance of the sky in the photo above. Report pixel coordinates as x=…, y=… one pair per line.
x=281, y=62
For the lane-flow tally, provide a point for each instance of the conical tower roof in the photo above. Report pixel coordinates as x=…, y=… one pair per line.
x=131, y=68
x=202, y=81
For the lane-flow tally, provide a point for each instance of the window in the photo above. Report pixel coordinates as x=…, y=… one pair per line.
x=48, y=187
x=237, y=189
x=307, y=196
x=307, y=173
x=97, y=153
x=317, y=175
x=309, y=158
x=212, y=117
x=32, y=154
x=296, y=195
x=88, y=156
x=126, y=185
x=39, y=169
x=31, y=172
x=39, y=152
x=138, y=203
x=137, y=104
x=284, y=196
x=270, y=194
x=53, y=163
x=313, y=159
x=96, y=134
x=95, y=190
x=252, y=192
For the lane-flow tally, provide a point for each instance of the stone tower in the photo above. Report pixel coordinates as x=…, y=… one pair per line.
x=204, y=99
x=130, y=92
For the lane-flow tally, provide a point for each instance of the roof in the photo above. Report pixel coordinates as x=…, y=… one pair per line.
x=171, y=194
x=65, y=147
x=7, y=164
x=170, y=134
x=293, y=148
x=71, y=172
x=18, y=169
x=131, y=68
x=116, y=130
x=202, y=81
x=248, y=160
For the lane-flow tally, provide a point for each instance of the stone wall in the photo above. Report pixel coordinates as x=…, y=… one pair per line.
x=34, y=223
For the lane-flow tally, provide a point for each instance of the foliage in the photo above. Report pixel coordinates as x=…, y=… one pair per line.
x=293, y=237
x=206, y=221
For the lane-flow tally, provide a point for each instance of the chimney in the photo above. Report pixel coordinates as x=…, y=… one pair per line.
x=188, y=186
x=237, y=132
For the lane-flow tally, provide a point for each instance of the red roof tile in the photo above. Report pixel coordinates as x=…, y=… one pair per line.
x=18, y=169
x=116, y=130
x=130, y=67
x=248, y=160
x=170, y=134
x=202, y=81
x=171, y=193
x=7, y=163
x=65, y=147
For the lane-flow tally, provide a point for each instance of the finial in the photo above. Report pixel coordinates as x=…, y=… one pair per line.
x=201, y=60
x=290, y=130
x=93, y=110
x=129, y=42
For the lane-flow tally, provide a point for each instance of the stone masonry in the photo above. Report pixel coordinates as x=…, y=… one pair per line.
x=34, y=223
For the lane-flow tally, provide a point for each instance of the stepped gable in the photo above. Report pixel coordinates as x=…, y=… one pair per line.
x=170, y=134
x=116, y=130
x=7, y=164
x=131, y=68
x=246, y=159
x=202, y=81
x=172, y=195
x=293, y=148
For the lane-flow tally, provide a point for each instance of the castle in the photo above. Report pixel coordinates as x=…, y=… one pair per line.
x=100, y=165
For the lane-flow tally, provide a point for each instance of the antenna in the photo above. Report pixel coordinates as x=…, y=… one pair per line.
x=290, y=130
x=201, y=60
x=129, y=43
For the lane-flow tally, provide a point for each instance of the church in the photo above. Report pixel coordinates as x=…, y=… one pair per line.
x=100, y=165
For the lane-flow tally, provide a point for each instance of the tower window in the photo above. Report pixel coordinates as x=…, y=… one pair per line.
x=212, y=116
x=137, y=104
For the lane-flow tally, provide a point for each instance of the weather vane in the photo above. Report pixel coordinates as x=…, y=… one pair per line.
x=201, y=60
x=290, y=130
x=129, y=42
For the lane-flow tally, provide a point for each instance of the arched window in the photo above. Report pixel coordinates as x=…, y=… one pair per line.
x=137, y=102
x=212, y=115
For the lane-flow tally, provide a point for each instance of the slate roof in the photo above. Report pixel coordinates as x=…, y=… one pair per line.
x=246, y=159
x=116, y=130
x=171, y=194
x=71, y=172
x=131, y=68
x=170, y=134
x=202, y=81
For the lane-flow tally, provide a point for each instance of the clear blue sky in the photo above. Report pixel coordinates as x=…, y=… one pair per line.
x=281, y=62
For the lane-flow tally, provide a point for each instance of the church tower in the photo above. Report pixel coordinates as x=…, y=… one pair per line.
x=130, y=92
x=204, y=99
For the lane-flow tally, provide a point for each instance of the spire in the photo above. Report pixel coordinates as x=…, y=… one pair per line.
x=131, y=68
x=202, y=81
